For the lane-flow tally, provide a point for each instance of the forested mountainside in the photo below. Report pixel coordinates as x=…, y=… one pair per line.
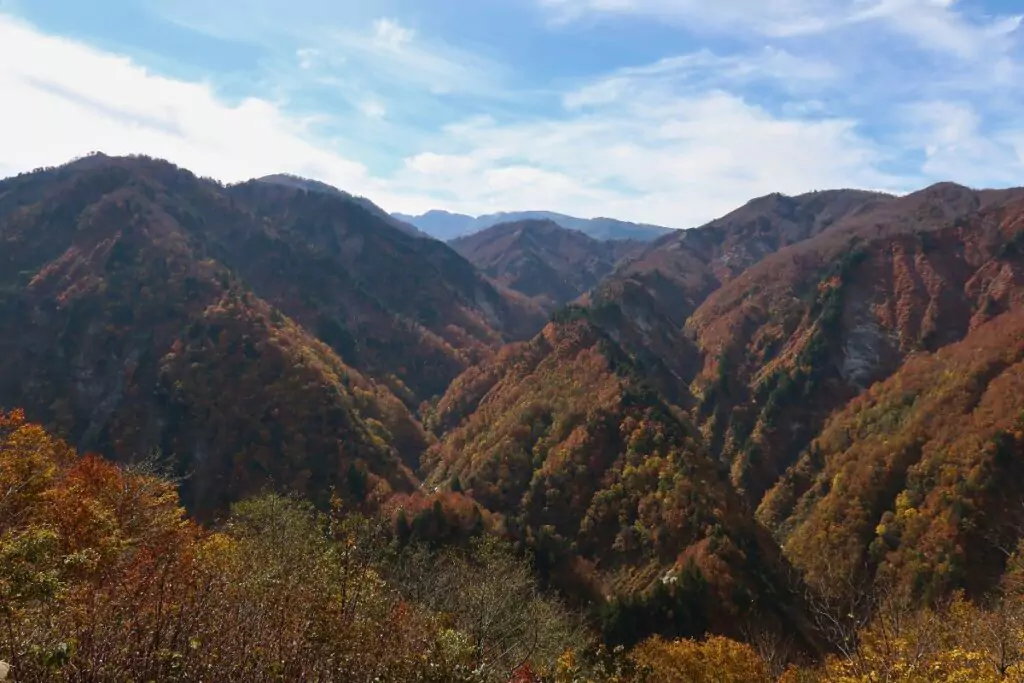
x=542, y=260
x=681, y=269
x=104, y=578
x=804, y=331
x=765, y=361
x=149, y=310
x=611, y=486
x=449, y=226
x=919, y=480
x=798, y=426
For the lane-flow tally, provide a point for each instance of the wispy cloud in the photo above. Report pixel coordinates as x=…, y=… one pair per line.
x=937, y=25
x=307, y=57
x=396, y=55
x=933, y=24
x=955, y=143
x=775, y=18
x=703, y=70
x=392, y=35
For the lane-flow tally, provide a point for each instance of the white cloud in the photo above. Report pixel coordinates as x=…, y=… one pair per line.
x=373, y=109
x=937, y=25
x=392, y=35
x=768, y=17
x=395, y=55
x=955, y=146
x=63, y=99
x=677, y=161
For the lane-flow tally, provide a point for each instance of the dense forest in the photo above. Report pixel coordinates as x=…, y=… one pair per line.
x=103, y=577
x=268, y=432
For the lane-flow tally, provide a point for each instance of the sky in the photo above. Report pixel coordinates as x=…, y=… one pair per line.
x=670, y=112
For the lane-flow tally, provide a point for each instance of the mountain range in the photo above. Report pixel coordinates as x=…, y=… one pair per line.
x=449, y=226
x=689, y=433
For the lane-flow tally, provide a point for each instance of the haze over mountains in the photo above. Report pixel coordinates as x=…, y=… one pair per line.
x=448, y=226
x=689, y=433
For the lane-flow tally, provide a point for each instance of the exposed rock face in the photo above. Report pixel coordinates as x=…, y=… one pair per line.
x=863, y=345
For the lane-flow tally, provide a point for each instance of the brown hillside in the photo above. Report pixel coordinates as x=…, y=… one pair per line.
x=125, y=331
x=680, y=270
x=602, y=477
x=918, y=481
x=798, y=335
x=542, y=260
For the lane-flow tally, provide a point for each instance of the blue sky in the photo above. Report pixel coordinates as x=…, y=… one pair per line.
x=664, y=111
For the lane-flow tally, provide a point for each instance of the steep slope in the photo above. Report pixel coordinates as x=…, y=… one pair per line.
x=299, y=183
x=122, y=331
x=409, y=311
x=448, y=226
x=645, y=303
x=802, y=332
x=542, y=260
x=680, y=270
x=917, y=482
x=602, y=478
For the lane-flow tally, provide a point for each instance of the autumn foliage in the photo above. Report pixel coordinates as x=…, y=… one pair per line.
x=102, y=577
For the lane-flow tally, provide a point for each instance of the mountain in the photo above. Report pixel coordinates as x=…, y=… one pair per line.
x=681, y=269
x=917, y=476
x=811, y=398
x=806, y=329
x=299, y=183
x=542, y=260
x=441, y=224
x=448, y=226
x=609, y=485
x=407, y=310
x=917, y=482
x=588, y=438
x=850, y=358
x=248, y=334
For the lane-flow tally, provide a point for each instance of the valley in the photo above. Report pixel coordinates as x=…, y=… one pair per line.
x=676, y=434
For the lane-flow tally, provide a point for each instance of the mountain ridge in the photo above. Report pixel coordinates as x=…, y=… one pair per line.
x=448, y=226
x=543, y=260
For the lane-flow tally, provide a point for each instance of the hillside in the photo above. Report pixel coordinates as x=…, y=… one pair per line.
x=390, y=304
x=449, y=226
x=645, y=303
x=299, y=183
x=408, y=311
x=542, y=260
x=608, y=484
x=799, y=334
x=149, y=311
x=680, y=270
x=758, y=333
x=918, y=481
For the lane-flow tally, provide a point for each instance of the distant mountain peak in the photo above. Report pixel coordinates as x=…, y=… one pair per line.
x=542, y=260
x=448, y=226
